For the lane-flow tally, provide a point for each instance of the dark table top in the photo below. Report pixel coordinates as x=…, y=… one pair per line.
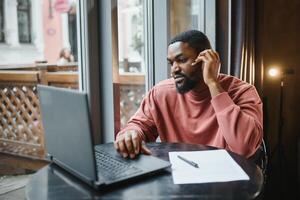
x=51, y=182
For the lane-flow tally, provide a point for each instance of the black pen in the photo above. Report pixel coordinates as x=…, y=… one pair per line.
x=188, y=161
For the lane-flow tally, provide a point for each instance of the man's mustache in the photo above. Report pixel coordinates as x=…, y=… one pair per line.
x=179, y=75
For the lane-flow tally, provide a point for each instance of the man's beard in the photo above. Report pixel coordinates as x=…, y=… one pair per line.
x=188, y=84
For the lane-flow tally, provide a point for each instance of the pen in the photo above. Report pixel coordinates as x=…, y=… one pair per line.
x=188, y=161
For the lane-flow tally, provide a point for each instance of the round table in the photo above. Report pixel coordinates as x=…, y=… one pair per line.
x=53, y=183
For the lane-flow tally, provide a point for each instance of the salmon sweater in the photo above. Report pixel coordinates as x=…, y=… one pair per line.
x=231, y=120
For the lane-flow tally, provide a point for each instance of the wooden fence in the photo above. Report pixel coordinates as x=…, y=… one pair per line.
x=21, y=131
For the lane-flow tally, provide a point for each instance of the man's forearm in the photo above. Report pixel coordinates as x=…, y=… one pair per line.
x=215, y=89
x=241, y=125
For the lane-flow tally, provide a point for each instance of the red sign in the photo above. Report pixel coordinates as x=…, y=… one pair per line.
x=62, y=6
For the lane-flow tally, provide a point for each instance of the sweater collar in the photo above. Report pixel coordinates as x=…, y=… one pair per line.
x=200, y=94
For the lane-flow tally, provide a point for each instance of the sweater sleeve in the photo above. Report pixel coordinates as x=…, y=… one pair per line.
x=240, y=122
x=143, y=121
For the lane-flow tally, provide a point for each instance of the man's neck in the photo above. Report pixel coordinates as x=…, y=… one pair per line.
x=200, y=87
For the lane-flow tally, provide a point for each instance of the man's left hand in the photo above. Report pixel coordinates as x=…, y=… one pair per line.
x=210, y=66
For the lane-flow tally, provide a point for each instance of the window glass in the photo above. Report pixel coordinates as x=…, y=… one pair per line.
x=39, y=46
x=1, y=22
x=24, y=21
x=72, y=29
x=193, y=14
x=38, y=31
x=185, y=15
x=131, y=37
x=129, y=83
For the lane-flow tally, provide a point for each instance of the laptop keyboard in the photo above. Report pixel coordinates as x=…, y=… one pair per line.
x=113, y=169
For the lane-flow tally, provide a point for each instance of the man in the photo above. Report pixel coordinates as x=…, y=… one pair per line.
x=197, y=105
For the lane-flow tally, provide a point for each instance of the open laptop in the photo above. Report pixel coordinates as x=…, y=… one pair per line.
x=69, y=143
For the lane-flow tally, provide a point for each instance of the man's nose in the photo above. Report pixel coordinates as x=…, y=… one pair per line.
x=175, y=67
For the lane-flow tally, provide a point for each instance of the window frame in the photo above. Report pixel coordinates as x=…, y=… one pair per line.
x=88, y=60
x=28, y=13
x=2, y=39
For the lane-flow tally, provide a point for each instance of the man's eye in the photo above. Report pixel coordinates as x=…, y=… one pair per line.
x=182, y=60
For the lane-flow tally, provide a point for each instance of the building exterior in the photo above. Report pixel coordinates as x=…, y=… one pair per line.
x=33, y=30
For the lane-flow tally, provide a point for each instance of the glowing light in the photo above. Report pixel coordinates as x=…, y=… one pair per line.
x=274, y=72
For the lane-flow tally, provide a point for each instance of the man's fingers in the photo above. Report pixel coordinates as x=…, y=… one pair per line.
x=123, y=149
x=116, y=146
x=203, y=58
x=136, y=142
x=204, y=52
x=145, y=149
x=218, y=56
x=213, y=55
x=129, y=145
x=197, y=60
x=209, y=54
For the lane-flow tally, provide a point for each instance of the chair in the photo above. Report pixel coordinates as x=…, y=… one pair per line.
x=261, y=158
x=263, y=161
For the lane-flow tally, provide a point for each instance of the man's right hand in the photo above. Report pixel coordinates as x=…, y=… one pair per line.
x=130, y=144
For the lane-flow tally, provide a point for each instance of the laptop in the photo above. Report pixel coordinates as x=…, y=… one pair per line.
x=69, y=143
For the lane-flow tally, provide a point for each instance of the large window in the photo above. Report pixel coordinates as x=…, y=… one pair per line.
x=24, y=21
x=132, y=55
x=1, y=21
x=130, y=85
x=193, y=14
x=130, y=81
x=36, y=51
x=73, y=29
x=183, y=16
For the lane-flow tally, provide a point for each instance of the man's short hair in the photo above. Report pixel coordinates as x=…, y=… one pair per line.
x=196, y=39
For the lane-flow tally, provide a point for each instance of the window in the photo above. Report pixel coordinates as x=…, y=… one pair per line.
x=133, y=37
x=23, y=10
x=193, y=14
x=131, y=71
x=1, y=21
x=43, y=57
x=73, y=29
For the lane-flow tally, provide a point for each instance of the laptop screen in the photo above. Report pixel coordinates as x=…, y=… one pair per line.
x=68, y=137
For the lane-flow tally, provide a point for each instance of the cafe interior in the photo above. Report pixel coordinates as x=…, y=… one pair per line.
x=115, y=51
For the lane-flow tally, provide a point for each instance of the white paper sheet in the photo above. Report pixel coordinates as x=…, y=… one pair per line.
x=214, y=166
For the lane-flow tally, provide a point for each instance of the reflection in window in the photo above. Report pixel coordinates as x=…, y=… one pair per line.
x=131, y=37
x=24, y=21
x=185, y=15
x=1, y=21
x=193, y=14
x=130, y=82
x=21, y=125
x=73, y=30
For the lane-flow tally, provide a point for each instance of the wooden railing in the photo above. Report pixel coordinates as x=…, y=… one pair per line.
x=129, y=91
x=21, y=130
